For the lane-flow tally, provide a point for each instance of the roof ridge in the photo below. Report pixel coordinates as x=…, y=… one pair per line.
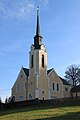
x=25, y=68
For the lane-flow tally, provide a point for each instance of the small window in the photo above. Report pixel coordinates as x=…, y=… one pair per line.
x=42, y=60
x=32, y=61
x=21, y=76
x=57, y=87
x=66, y=89
x=43, y=92
x=31, y=83
x=53, y=86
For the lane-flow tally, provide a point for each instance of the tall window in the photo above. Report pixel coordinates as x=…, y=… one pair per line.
x=57, y=87
x=17, y=87
x=32, y=61
x=53, y=86
x=42, y=60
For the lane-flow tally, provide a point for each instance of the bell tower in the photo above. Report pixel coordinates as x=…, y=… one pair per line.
x=38, y=83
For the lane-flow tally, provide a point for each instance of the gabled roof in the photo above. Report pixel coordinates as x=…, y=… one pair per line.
x=75, y=89
x=64, y=81
x=26, y=71
x=48, y=71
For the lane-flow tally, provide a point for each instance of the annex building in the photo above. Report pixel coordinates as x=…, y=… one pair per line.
x=37, y=82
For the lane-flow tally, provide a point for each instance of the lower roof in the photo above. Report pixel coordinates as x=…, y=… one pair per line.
x=26, y=71
x=64, y=81
x=75, y=89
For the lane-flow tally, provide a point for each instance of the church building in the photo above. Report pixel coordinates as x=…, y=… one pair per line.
x=37, y=82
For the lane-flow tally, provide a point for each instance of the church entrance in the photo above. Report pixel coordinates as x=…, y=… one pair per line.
x=30, y=97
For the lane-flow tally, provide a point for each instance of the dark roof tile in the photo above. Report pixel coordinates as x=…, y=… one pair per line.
x=26, y=71
x=48, y=71
x=64, y=81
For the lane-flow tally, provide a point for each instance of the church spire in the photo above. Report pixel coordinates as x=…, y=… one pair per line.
x=37, y=38
x=37, y=27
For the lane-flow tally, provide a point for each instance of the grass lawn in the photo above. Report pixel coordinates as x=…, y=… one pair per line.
x=42, y=112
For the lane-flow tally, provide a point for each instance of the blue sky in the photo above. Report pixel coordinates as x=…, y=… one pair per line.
x=60, y=28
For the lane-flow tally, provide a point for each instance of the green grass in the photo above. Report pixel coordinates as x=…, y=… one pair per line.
x=42, y=112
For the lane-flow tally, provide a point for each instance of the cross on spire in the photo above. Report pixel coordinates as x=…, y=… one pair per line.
x=37, y=10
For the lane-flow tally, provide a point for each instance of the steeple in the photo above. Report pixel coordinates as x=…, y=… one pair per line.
x=37, y=38
x=37, y=27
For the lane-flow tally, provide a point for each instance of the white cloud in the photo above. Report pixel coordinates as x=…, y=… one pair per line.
x=16, y=9
x=19, y=8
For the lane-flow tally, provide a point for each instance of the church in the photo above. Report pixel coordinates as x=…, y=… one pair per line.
x=37, y=82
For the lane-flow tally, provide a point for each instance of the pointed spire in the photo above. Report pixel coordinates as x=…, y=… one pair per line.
x=38, y=27
x=37, y=37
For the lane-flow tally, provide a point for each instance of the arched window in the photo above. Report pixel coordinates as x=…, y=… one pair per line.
x=57, y=87
x=53, y=86
x=42, y=60
x=32, y=61
x=30, y=97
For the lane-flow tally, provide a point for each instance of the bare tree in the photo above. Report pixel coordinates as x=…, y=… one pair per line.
x=78, y=76
x=0, y=100
x=72, y=74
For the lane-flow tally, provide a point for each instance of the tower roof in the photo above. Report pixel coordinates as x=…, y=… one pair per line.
x=38, y=37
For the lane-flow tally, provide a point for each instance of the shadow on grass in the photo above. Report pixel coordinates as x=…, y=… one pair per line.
x=26, y=109
x=67, y=116
x=35, y=107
